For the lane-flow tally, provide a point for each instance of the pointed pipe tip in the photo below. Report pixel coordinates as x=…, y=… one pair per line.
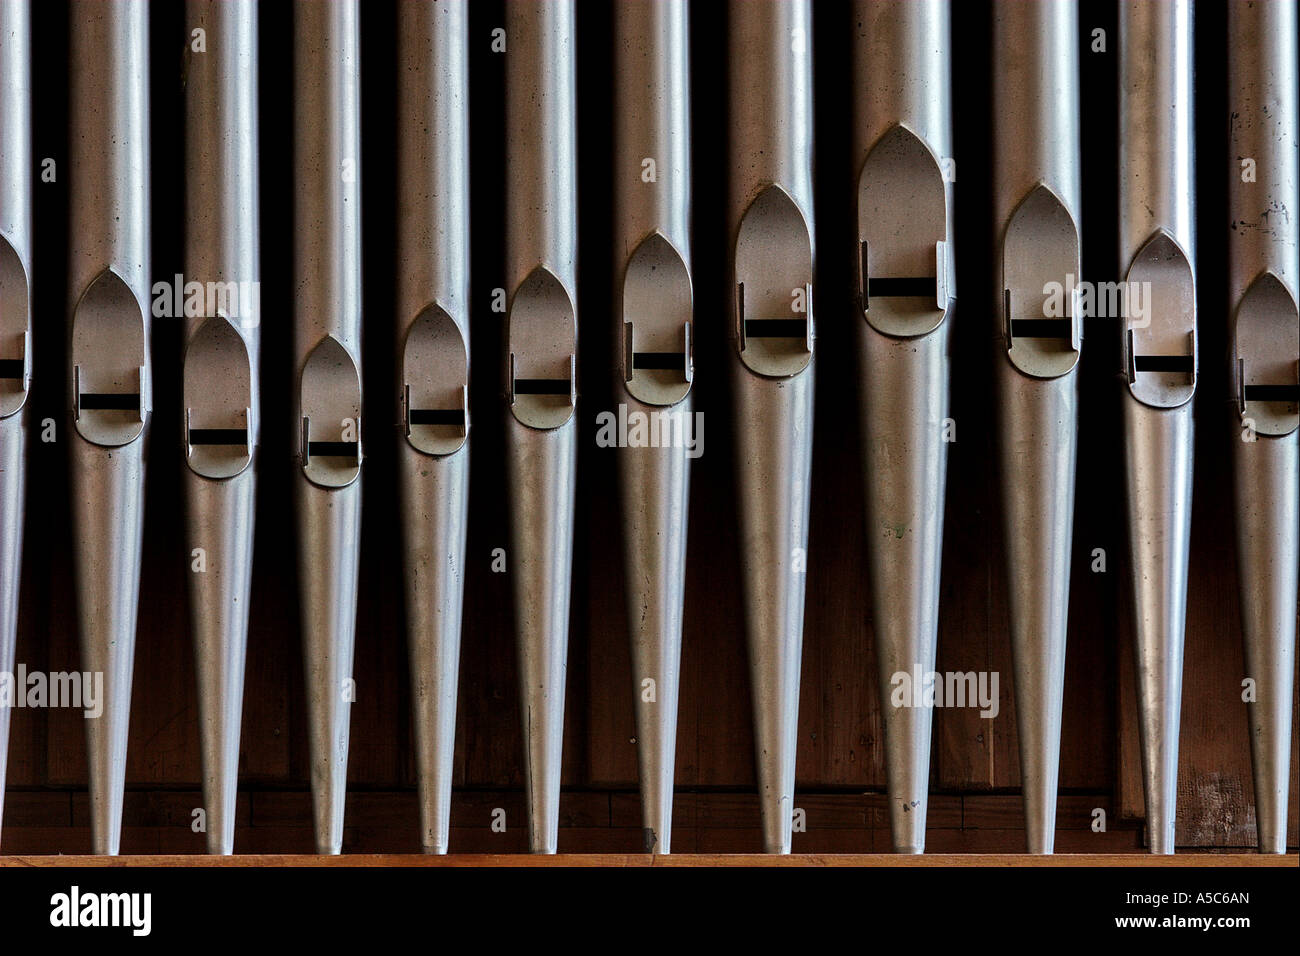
x=1037, y=457
x=655, y=500
x=1039, y=795
x=108, y=507
x=652, y=844
x=328, y=812
x=1160, y=835
x=105, y=809
x=1159, y=455
x=540, y=467
x=220, y=516
x=776, y=420
x=329, y=536
x=434, y=495
x=1267, y=492
x=904, y=463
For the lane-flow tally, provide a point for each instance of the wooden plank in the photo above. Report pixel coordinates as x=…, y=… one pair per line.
x=274, y=664
x=164, y=735
x=26, y=763
x=714, y=656
x=1007, y=811
x=702, y=859
x=25, y=808
x=840, y=735
x=381, y=709
x=611, y=747
x=157, y=808
x=969, y=750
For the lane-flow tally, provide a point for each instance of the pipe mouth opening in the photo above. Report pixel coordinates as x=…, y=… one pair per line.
x=658, y=360
x=1041, y=317
x=330, y=409
x=774, y=279
x=15, y=331
x=543, y=336
x=1267, y=347
x=435, y=383
x=1160, y=324
x=904, y=259
x=218, y=395
x=110, y=374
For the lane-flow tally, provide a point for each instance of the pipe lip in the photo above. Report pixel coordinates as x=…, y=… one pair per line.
x=910, y=239
x=1165, y=374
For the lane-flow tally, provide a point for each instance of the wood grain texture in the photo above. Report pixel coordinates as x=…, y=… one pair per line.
x=628, y=859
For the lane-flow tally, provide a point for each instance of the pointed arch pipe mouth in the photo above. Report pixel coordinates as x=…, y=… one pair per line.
x=218, y=395
x=1160, y=340
x=330, y=406
x=1041, y=318
x=774, y=281
x=15, y=331
x=110, y=374
x=904, y=259
x=658, y=360
x=1266, y=346
x=543, y=344
x=435, y=383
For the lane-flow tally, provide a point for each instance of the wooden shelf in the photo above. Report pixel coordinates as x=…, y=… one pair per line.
x=676, y=860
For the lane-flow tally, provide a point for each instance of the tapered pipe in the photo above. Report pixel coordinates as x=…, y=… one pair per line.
x=541, y=383
x=15, y=324
x=772, y=369
x=110, y=367
x=327, y=330
x=1036, y=210
x=220, y=390
x=1265, y=365
x=1157, y=248
x=433, y=376
x=906, y=290
x=653, y=311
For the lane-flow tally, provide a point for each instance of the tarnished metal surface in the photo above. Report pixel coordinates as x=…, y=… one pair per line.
x=220, y=392
x=1263, y=279
x=15, y=322
x=902, y=138
x=654, y=370
x=772, y=369
x=327, y=330
x=433, y=377
x=541, y=379
x=1157, y=246
x=1036, y=214
x=110, y=369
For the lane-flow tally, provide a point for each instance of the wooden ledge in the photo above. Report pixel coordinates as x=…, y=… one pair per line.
x=682, y=859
